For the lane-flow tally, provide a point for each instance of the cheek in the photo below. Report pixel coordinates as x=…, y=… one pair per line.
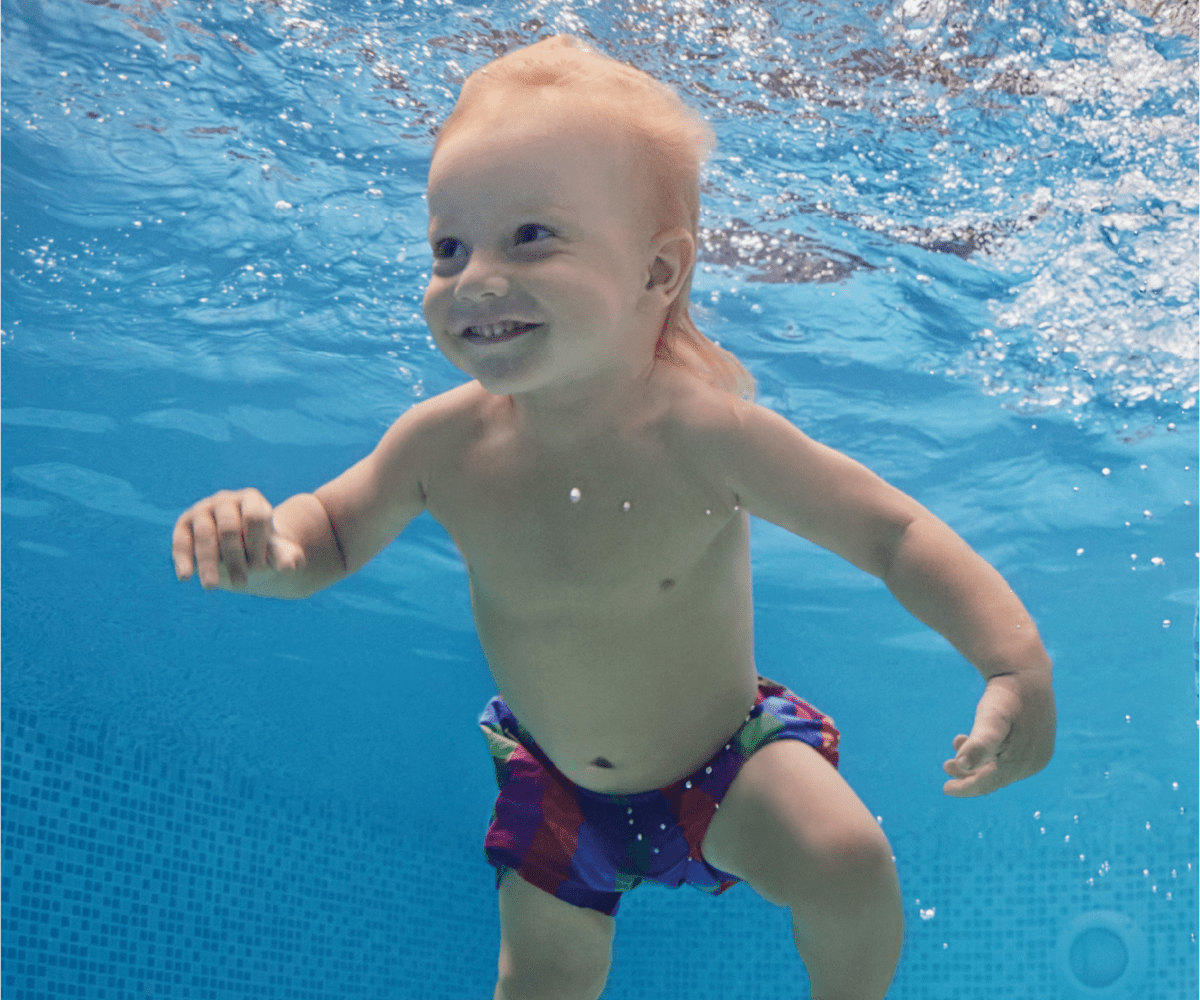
x=594, y=297
x=434, y=304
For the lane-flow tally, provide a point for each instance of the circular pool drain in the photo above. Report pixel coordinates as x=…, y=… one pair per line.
x=1102, y=956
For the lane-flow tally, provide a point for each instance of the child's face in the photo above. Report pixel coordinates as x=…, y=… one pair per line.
x=534, y=220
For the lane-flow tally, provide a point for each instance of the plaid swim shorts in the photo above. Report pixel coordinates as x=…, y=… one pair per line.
x=588, y=847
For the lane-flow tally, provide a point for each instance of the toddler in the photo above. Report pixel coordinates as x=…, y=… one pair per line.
x=597, y=473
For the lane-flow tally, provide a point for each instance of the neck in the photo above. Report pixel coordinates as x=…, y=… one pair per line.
x=563, y=415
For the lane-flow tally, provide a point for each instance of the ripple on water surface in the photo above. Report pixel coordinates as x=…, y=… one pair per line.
x=1020, y=180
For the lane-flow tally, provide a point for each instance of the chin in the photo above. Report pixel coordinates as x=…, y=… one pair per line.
x=508, y=372
x=504, y=377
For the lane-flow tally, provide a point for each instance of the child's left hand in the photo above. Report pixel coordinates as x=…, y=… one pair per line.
x=1013, y=735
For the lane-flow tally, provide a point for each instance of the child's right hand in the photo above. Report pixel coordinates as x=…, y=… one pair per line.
x=226, y=536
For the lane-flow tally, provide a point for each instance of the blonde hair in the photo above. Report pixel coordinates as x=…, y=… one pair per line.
x=667, y=138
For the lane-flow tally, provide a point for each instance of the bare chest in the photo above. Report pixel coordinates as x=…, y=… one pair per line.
x=625, y=515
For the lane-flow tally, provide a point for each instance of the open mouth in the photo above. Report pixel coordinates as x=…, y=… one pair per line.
x=497, y=333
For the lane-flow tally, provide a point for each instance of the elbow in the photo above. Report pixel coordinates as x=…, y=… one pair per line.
x=885, y=553
x=341, y=566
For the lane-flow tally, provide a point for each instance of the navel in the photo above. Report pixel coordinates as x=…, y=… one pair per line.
x=602, y=762
x=666, y=585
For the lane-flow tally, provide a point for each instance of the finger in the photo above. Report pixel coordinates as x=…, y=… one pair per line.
x=986, y=779
x=208, y=556
x=227, y=516
x=987, y=737
x=959, y=766
x=955, y=767
x=181, y=547
x=285, y=556
x=257, y=527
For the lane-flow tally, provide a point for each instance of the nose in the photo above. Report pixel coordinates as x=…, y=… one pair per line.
x=480, y=279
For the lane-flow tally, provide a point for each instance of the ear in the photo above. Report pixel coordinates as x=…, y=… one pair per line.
x=673, y=251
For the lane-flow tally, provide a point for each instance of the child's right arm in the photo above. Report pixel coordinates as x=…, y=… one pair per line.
x=236, y=541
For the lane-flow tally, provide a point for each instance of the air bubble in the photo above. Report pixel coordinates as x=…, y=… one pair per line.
x=626, y=505
x=575, y=494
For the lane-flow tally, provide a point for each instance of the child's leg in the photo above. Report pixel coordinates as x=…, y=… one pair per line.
x=548, y=948
x=792, y=828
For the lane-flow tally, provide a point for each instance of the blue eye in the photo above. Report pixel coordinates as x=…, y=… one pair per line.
x=529, y=232
x=445, y=248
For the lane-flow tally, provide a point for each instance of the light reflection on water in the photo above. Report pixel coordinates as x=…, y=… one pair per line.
x=242, y=172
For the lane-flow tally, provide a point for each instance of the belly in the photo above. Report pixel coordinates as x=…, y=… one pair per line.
x=626, y=703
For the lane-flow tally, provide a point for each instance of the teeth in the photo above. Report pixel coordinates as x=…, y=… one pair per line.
x=495, y=329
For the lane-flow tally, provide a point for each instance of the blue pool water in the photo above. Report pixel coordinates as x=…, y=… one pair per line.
x=213, y=257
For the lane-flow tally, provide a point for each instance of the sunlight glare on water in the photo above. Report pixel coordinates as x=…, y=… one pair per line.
x=239, y=169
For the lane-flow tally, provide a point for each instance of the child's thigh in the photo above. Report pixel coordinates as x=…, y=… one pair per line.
x=545, y=940
x=793, y=828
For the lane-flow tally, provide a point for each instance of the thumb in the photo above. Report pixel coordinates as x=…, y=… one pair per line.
x=987, y=736
x=285, y=556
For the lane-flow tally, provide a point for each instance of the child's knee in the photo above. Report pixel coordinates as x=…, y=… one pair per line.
x=849, y=926
x=856, y=869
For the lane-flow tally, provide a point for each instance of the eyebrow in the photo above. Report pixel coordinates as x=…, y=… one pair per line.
x=548, y=212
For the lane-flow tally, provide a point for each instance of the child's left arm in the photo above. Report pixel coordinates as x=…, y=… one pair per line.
x=785, y=477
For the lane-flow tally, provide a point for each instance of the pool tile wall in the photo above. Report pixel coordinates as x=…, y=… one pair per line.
x=997, y=904
x=125, y=877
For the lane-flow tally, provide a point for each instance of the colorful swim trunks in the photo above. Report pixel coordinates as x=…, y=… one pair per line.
x=587, y=847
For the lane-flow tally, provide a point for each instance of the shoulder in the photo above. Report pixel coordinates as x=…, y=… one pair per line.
x=760, y=455
x=710, y=421
x=446, y=410
x=423, y=437
x=437, y=421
